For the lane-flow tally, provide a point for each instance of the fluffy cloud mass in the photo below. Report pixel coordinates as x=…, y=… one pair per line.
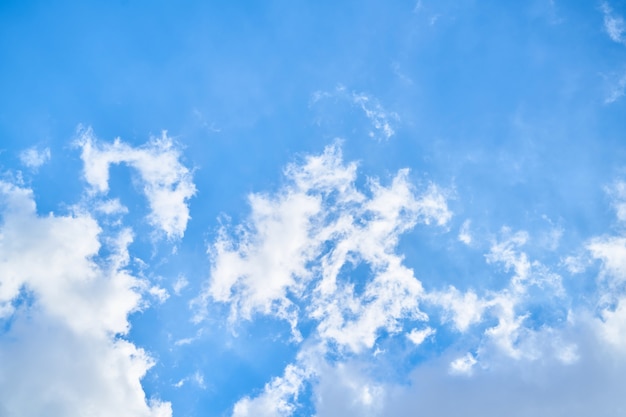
x=66, y=290
x=289, y=260
x=320, y=249
x=65, y=315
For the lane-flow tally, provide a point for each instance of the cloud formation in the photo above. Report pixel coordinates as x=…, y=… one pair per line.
x=289, y=260
x=613, y=25
x=299, y=256
x=34, y=158
x=167, y=183
x=65, y=312
x=382, y=121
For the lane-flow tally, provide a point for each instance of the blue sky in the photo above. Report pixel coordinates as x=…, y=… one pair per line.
x=312, y=209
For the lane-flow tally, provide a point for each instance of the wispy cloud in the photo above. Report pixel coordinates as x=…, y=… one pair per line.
x=382, y=121
x=464, y=234
x=34, y=157
x=289, y=235
x=304, y=237
x=380, y=118
x=616, y=89
x=613, y=25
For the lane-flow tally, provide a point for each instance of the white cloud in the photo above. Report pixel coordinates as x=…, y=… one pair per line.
x=180, y=283
x=510, y=306
x=613, y=25
x=278, y=397
x=612, y=251
x=382, y=121
x=418, y=336
x=294, y=257
x=611, y=325
x=616, y=89
x=299, y=245
x=34, y=158
x=462, y=309
x=197, y=378
x=463, y=365
x=63, y=353
x=548, y=387
x=347, y=389
x=617, y=192
x=307, y=232
x=111, y=207
x=159, y=293
x=464, y=233
x=166, y=182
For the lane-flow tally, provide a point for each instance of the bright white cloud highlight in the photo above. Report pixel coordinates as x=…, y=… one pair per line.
x=278, y=397
x=463, y=365
x=167, y=183
x=308, y=233
x=418, y=336
x=66, y=312
x=303, y=242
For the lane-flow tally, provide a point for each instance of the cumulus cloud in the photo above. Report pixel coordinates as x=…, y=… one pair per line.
x=304, y=236
x=167, y=183
x=300, y=244
x=323, y=250
x=418, y=336
x=462, y=309
x=65, y=313
x=463, y=365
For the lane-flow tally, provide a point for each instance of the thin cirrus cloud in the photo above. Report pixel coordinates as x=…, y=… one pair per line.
x=382, y=122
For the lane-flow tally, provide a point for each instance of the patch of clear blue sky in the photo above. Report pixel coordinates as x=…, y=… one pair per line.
x=502, y=102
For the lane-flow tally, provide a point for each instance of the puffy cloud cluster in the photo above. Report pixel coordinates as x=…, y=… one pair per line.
x=299, y=257
x=64, y=312
x=290, y=258
x=297, y=242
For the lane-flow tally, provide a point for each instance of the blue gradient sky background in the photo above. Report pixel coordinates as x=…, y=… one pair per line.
x=366, y=208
